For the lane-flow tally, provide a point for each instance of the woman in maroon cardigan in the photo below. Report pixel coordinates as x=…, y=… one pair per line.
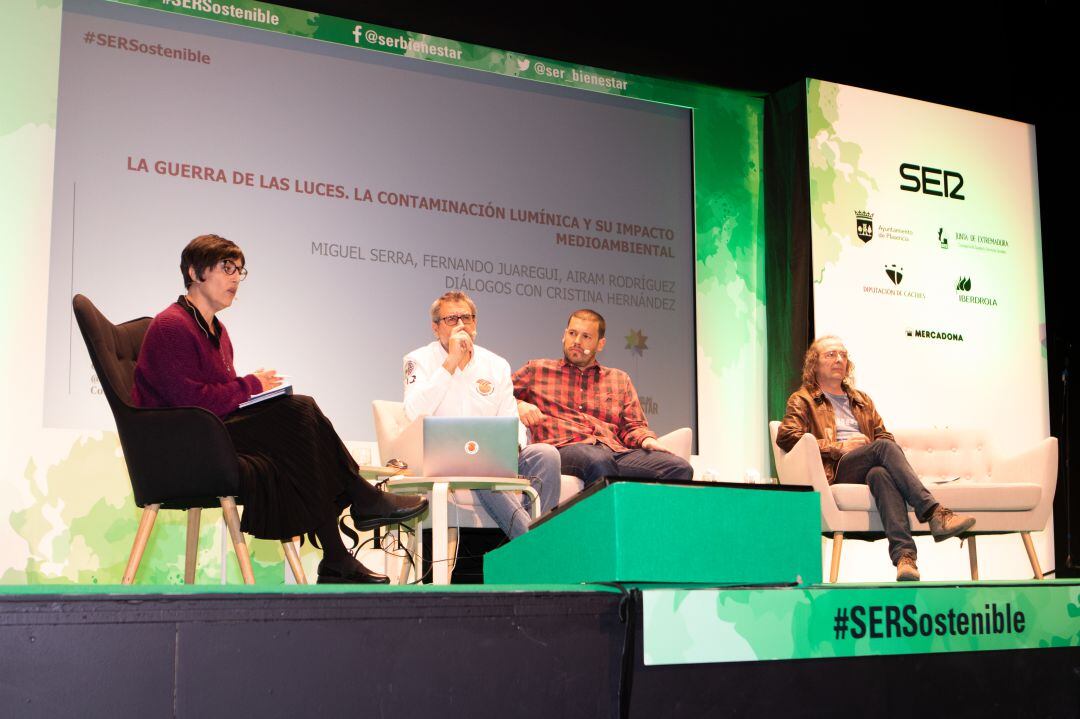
x=296, y=476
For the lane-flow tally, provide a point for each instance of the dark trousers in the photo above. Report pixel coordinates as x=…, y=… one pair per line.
x=882, y=466
x=591, y=462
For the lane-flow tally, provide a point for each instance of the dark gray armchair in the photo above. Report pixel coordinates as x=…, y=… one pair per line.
x=177, y=457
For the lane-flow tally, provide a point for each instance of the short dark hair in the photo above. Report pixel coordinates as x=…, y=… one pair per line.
x=204, y=252
x=591, y=315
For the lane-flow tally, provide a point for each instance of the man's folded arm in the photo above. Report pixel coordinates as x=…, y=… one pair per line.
x=794, y=426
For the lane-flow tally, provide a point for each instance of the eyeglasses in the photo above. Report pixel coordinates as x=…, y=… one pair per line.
x=833, y=354
x=451, y=320
x=230, y=268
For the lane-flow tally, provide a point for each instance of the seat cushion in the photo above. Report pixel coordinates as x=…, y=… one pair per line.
x=961, y=496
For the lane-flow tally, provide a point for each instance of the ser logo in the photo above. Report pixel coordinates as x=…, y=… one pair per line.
x=929, y=179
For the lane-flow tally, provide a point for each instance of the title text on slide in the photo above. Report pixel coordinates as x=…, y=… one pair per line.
x=635, y=231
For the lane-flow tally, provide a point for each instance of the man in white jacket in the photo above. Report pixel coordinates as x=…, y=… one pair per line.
x=455, y=377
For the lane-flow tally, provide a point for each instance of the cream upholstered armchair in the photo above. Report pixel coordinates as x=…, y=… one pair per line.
x=1004, y=494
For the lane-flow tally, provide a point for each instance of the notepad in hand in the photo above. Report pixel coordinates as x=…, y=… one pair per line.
x=268, y=394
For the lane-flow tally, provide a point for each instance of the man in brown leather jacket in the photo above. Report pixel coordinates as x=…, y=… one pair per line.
x=857, y=449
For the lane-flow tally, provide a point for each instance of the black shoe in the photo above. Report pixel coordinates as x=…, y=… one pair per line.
x=348, y=571
x=388, y=509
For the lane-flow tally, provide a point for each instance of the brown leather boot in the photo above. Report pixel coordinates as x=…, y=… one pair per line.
x=944, y=523
x=906, y=569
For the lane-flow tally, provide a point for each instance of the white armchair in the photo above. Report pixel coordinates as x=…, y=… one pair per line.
x=1004, y=494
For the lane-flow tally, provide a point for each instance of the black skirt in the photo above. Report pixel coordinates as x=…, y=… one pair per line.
x=295, y=472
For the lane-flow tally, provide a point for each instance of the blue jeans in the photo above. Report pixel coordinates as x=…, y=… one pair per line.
x=592, y=462
x=882, y=466
x=540, y=463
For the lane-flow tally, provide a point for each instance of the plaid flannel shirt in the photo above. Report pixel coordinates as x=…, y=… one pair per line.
x=597, y=404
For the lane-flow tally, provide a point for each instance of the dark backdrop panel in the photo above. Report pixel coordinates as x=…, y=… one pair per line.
x=789, y=309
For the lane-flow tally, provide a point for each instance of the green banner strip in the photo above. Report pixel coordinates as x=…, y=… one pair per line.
x=340, y=31
x=694, y=626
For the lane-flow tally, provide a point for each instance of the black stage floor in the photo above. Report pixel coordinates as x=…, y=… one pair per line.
x=452, y=652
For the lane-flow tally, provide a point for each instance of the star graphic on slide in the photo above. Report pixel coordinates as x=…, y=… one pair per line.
x=635, y=342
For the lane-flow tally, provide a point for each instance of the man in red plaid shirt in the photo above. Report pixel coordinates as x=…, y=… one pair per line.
x=591, y=413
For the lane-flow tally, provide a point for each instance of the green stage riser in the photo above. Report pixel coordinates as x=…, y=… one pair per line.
x=633, y=532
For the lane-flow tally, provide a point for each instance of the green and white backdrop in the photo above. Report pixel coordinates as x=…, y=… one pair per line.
x=92, y=89
x=272, y=93
x=927, y=261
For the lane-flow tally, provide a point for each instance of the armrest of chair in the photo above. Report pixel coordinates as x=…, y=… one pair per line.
x=802, y=466
x=1036, y=464
x=679, y=441
x=178, y=452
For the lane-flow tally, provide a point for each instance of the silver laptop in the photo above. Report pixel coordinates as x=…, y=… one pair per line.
x=470, y=446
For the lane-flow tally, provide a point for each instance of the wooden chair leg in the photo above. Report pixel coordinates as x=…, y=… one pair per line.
x=834, y=565
x=973, y=559
x=407, y=565
x=142, y=534
x=293, y=558
x=1030, y=547
x=191, y=551
x=232, y=521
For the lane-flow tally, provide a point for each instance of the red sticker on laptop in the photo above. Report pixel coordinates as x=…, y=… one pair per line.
x=471, y=447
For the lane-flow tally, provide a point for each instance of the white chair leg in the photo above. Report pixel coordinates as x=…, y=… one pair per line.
x=834, y=565
x=534, y=504
x=440, y=569
x=418, y=551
